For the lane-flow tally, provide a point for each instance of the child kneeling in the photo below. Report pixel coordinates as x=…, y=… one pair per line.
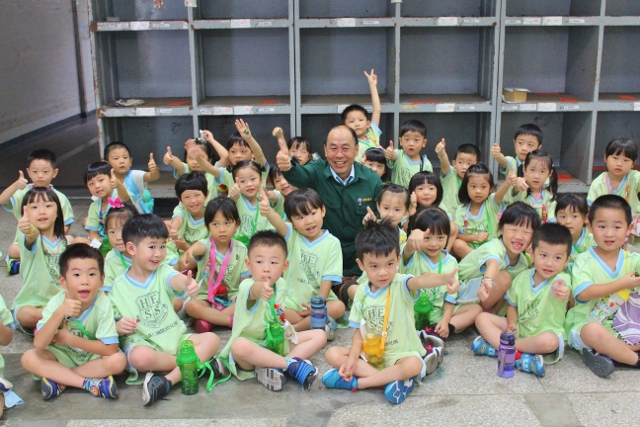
x=76, y=343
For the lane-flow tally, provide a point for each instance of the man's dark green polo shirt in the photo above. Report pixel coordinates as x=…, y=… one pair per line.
x=346, y=204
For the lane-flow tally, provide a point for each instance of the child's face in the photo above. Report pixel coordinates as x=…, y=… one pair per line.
x=609, y=228
x=412, y=142
x=282, y=185
x=114, y=232
x=301, y=153
x=524, y=144
x=83, y=280
x=618, y=165
x=222, y=229
x=478, y=188
x=378, y=168
x=194, y=201
x=572, y=219
x=41, y=172
x=267, y=262
x=248, y=181
x=516, y=238
x=149, y=253
x=536, y=173
x=42, y=213
x=192, y=158
x=100, y=186
x=239, y=152
x=462, y=163
x=426, y=194
x=549, y=260
x=433, y=244
x=309, y=225
x=120, y=160
x=358, y=121
x=381, y=269
x=392, y=206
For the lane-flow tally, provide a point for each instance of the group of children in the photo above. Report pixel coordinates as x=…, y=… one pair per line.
x=236, y=254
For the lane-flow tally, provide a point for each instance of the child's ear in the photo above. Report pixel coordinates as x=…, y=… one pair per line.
x=360, y=264
x=285, y=265
x=324, y=211
x=62, y=281
x=130, y=247
x=248, y=264
x=55, y=172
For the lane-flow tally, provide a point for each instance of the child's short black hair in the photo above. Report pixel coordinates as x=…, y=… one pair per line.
x=351, y=108
x=431, y=218
x=427, y=177
x=37, y=194
x=122, y=212
x=475, y=169
x=529, y=129
x=468, y=149
x=301, y=202
x=390, y=187
x=221, y=204
x=191, y=181
x=520, y=214
x=234, y=139
x=274, y=173
x=247, y=164
x=80, y=251
x=142, y=226
x=95, y=169
x=300, y=141
x=376, y=154
x=610, y=201
x=378, y=238
x=42, y=154
x=546, y=159
x=268, y=238
x=413, y=126
x=114, y=146
x=622, y=145
x=572, y=201
x=552, y=234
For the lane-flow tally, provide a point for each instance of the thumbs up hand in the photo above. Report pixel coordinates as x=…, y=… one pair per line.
x=167, y=157
x=192, y=286
x=265, y=206
x=282, y=158
x=24, y=224
x=389, y=152
x=267, y=289
x=152, y=164
x=370, y=216
x=70, y=307
x=22, y=182
x=440, y=148
x=560, y=290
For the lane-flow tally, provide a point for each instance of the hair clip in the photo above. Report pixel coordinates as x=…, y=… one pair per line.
x=115, y=203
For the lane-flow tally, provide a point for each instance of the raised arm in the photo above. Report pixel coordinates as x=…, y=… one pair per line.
x=154, y=172
x=245, y=133
x=500, y=158
x=19, y=184
x=375, y=98
x=445, y=165
x=504, y=189
x=222, y=152
x=267, y=211
x=173, y=161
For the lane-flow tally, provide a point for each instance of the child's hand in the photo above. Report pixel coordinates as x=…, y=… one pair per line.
x=372, y=78
x=440, y=148
x=416, y=238
x=62, y=334
x=126, y=325
x=265, y=206
x=173, y=233
x=21, y=182
x=113, y=181
x=152, y=164
x=630, y=280
x=189, y=144
x=414, y=202
x=278, y=133
x=521, y=184
x=389, y=152
x=70, y=307
x=512, y=178
x=485, y=289
x=267, y=289
x=181, y=244
x=208, y=136
x=495, y=151
x=306, y=312
x=167, y=157
x=559, y=290
x=452, y=281
x=23, y=223
x=192, y=285
x=283, y=160
x=481, y=237
x=348, y=368
x=512, y=328
x=442, y=329
x=186, y=257
x=370, y=216
x=234, y=193
x=243, y=128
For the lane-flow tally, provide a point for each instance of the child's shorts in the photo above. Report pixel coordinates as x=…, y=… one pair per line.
x=468, y=292
x=26, y=330
x=72, y=357
x=130, y=344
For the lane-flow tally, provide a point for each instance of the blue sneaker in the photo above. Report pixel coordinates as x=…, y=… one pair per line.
x=13, y=266
x=480, y=346
x=332, y=379
x=397, y=391
x=599, y=364
x=531, y=363
x=304, y=372
x=5, y=385
x=102, y=387
x=50, y=389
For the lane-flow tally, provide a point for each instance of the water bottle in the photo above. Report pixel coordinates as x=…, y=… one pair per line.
x=318, y=312
x=188, y=362
x=370, y=347
x=275, y=337
x=201, y=139
x=422, y=308
x=506, y=355
x=608, y=306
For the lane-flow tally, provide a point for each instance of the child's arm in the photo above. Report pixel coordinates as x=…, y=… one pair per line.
x=261, y=289
x=154, y=172
x=504, y=188
x=347, y=370
x=512, y=317
x=174, y=226
x=496, y=153
x=181, y=283
x=94, y=235
x=19, y=184
x=442, y=327
x=63, y=336
x=414, y=244
x=375, y=98
x=222, y=152
x=599, y=290
x=433, y=280
x=278, y=133
x=29, y=230
x=390, y=153
x=119, y=186
x=445, y=165
x=173, y=161
x=245, y=132
x=198, y=249
x=267, y=211
x=204, y=163
x=453, y=235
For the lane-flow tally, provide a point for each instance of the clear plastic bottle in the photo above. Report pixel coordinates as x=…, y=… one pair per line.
x=188, y=362
x=318, y=312
x=506, y=355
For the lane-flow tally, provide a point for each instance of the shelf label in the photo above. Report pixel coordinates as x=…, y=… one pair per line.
x=190, y=3
x=576, y=21
x=470, y=21
x=509, y=108
x=547, y=106
x=410, y=107
x=205, y=111
x=445, y=108
x=165, y=111
x=145, y=111
x=241, y=23
x=532, y=20
x=370, y=22
x=222, y=111
x=527, y=107
x=552, y=20
x=107, y=26
x=569, y=107
x=160, y=25
x=265, y=24
x=262, y=110
x=513, y=21
x=140, y=25
x=346, y=22
x=636, y=106
x=241, y=109
x=466, y=108
x=447, y=21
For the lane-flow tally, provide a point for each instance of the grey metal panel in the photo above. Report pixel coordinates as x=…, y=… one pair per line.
x=342, y=8
x=242, y=9
x=248, y=23
x=620, y=60
x=623, y=20
x=553, y=8
x=577, y=145
x=346, y=22
x=425, y=8
x=614, y=125
x=582, y=62
x=622, y=8
x=133, y=10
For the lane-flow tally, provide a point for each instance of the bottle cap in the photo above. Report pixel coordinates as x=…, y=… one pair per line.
x=507, y=338
x=318, y=301
x=187, y=353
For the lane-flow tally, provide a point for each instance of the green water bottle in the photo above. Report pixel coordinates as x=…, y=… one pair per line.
x=275, y=337
x=188, y=362
x=422, y=308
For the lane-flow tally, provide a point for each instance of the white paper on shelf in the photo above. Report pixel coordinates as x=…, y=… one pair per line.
x=346, y=22
x=341, y=107
x=570, y=107
x=552, y=20
x=205, y=111
x=370, y=22
x=164, y=111
x=466, y=107
x=513, y=21
x=262, y=110
x=241, y=23
x=191, y=3
x=265, y=24
x=636, y=106
x=527, y=107
x=547, y=106
x=139, y=25
x=532, y=20
x=160, y=25
x=576, y=21
x=447, y=21
x=445, y=108
x=145, y=111
x=509, y=107
x=222, y=111
x=108, y=26
x=241, y=109
x=470, y=21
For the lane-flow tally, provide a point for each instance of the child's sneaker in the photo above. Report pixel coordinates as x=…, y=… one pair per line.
x=272, y=378
x=481, y=347
x=303, y=371
x=599, y=364
x=431, y=362
x=154, y=387
x=102, y=387
x=50, y=389
x=332, y=379
x=202, y=326
x=5, y=385
x=531, y=363
x=13, y=266
x=330, y=328
x=431, y=343
x=397, y=391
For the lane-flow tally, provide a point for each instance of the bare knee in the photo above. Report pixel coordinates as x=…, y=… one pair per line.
x=142, y=358
x=14, y=251
x=548, y=343
x=334, y=355
x=412, y=366
x=241, y=348
x=29, y=358
x=336, y=308
x=116, y=363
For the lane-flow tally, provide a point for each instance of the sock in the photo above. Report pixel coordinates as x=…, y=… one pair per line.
x=289, y=361
x=86, y=384
x=452, y=329
x=518, y=355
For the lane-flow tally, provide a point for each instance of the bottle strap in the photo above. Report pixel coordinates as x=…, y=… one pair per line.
x=486, y=209
x=385, y=323
x=204, y=367
x=211, y=293
x=575, y=248
x=82, y=329
x=124, y=263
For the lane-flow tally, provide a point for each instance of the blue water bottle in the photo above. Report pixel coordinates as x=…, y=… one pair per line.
x=318, y=312
x=506, y=355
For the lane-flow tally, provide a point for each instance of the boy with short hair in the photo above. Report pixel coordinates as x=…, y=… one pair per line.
x=385, y=316
x=258, y=312
x=528, y=138
x=601, y=275
x=142, y=298
x=537, y=305
x=76, y=343
x=407, y=161
x=356, y=117
x=451, y=176
x=41, y=170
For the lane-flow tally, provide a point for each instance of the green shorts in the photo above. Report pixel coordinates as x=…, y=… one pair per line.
x=69, y=358
x=129, y=345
